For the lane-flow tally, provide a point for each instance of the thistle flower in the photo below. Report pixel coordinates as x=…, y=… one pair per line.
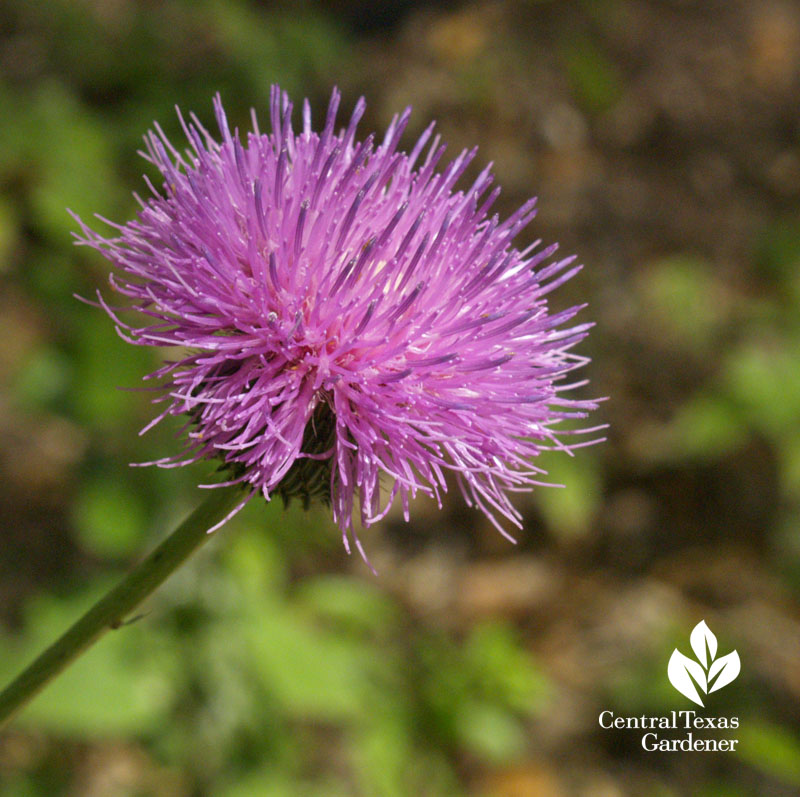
x=344, y=316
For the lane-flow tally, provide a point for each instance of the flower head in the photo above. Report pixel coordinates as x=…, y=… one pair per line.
x=344, y=315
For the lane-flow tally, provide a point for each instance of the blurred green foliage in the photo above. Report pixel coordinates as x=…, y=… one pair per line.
x=243, y=681
x=595, y=79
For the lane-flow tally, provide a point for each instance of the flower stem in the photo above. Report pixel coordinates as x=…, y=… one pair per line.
x=110, y=611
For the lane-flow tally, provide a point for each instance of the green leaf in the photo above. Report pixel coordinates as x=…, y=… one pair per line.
x=762, y=377
x=490, y=732
x=569, y=510
x=118, y=686
x=352, y=604
x=595, y=79
x=45, y=377
x=771, y=749
x=504, y=670
x=74, y=159
x=706, y=427
x=110, y=516
x=682, y=300
x=313, y=673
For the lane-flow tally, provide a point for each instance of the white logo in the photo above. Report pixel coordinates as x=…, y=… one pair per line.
x=710, y=674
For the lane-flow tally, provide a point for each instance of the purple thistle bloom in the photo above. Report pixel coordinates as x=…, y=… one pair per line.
x=344, y=314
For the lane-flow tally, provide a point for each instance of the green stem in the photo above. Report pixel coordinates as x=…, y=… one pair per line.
x=111, y=610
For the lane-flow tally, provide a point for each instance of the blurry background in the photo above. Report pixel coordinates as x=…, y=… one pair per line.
x=663, y=140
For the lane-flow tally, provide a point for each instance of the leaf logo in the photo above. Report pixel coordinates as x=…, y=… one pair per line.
x=708, y=672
